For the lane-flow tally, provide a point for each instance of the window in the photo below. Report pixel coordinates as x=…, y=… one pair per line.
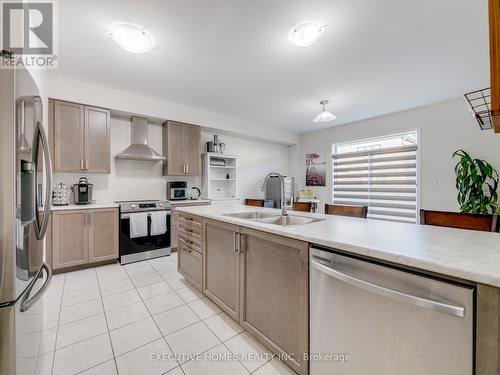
x=380, y=173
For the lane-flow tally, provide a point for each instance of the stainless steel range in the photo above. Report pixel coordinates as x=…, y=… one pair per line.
x=144, y=230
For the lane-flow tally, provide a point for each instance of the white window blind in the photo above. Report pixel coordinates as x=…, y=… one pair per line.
x=384, y=179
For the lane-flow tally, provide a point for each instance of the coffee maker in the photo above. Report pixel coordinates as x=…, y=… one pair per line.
x=82, y=191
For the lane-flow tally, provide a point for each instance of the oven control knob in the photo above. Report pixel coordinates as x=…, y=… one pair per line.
x=132, y=206
x=160, y=204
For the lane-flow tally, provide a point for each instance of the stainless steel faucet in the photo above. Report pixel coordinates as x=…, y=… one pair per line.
x=284, y=207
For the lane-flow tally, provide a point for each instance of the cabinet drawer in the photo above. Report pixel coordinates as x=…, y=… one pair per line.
x=186, y=242
x=190, y=264
x=190, y=232
x=190, y=220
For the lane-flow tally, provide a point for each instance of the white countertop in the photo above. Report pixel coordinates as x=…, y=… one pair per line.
x=92, y=206
x=465, y=254
x=189, y=201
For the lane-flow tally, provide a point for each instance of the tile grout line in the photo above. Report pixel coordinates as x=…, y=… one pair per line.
x=57, y=328
x=203, y=321
x=98, y=364
x=107, y=325
x=223, y=342
x=156, y=324
x=152, y=317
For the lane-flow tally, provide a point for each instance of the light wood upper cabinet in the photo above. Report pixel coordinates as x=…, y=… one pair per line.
x=494, y=13
x=193, y=150
x=222, y=266
x=68, y=136
x=97, y=140
x=80, y=137
x=274, y=293
x=182, y=148
x=69, y=238
x=103, y=235
x=173, y=149
x=81, y=237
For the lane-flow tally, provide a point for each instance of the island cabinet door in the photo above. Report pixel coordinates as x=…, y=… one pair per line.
x=274, y=294
x=221, y=263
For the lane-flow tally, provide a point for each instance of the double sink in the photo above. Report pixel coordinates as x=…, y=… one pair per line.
x=272, y=218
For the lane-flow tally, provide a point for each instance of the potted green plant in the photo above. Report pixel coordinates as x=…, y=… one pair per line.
x=477, y=183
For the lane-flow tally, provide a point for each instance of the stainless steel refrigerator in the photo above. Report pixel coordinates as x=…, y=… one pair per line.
x=273, y=191
x=25, y=203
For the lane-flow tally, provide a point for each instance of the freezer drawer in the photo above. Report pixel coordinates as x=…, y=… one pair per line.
x=387, y=321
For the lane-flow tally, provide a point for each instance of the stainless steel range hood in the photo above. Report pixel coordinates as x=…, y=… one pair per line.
x=139, y=149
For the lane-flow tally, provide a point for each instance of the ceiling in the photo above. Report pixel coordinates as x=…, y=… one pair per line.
x=233, y=56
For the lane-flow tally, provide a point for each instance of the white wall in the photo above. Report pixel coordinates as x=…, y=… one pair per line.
x=94, y=94
x=444, y=127
x=131, y=179
x=255, y=160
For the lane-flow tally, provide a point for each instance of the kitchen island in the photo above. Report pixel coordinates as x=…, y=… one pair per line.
x=463, y=254
x=240, y=257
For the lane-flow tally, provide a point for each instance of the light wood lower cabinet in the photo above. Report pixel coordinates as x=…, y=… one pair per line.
x=274, y=294
x=190, y=263
x=69, y=238
x=259, y=279
x=189, y=249
x=221, y=267
x=262, y=281
x=174, y=219
x=103, y=237
x=81, y=237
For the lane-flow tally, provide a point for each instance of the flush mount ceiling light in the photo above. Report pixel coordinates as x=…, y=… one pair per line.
x=305, y=34
x=324, y=115
x=131, y=38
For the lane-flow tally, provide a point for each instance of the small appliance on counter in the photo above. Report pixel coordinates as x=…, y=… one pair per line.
x=177, y=190
x=60, y=195
x=82, y=191
x=195, y=193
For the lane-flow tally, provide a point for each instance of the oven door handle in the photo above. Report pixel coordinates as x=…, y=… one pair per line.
x=127, y=215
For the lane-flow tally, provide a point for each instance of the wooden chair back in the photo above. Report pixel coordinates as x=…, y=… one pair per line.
x=254, y=202
x=485, y=223
x=344, y=210
x=302, y=206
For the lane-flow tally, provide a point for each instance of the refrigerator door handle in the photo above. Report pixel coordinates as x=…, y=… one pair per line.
x=26, y=303
x=445, y=308
x=41, y=139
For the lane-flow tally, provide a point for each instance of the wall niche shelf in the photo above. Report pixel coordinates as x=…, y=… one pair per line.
x=216, y=169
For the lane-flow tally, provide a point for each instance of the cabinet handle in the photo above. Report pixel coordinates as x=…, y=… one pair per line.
x=82, y=166
x=243, y=243
x=86, y=164
x=187, y=168
x=237, y=243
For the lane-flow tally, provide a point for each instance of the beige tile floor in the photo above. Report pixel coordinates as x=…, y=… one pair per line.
x=142, y=318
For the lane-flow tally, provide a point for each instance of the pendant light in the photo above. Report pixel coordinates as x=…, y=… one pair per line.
x=324, y=115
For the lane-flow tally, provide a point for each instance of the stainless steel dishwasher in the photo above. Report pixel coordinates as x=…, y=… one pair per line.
x=366, y=318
